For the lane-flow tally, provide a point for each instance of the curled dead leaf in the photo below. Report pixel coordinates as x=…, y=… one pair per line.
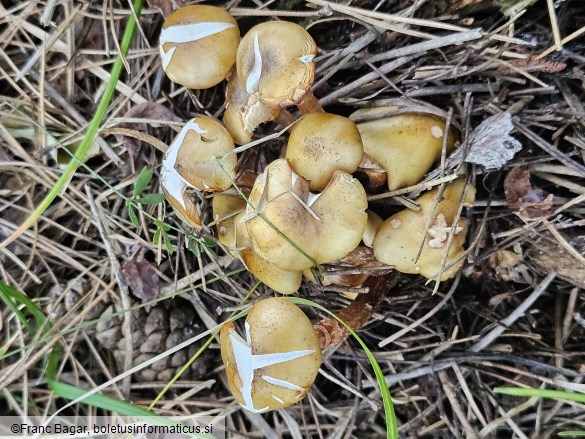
x=141, y=275
x=529, y=202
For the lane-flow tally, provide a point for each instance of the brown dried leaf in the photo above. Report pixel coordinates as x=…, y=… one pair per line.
x=490, y=143
x=146, y=110
x=357, y=313
x=141, y=275
x=353, y=269
x=529, y=202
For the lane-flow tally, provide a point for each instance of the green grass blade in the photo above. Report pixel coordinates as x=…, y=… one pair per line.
x=92, y=129
x=122, y=408
x=572, y=434
x=7, y=298
x=13, y=298
x=70, y=392
x=542, y=393
x=391, y=425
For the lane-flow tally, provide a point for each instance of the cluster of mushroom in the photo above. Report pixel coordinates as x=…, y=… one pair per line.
x=307, y=208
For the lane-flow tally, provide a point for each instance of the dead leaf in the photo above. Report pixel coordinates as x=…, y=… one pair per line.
x=141, y=275
x=164, y=6
x=490, y=143
x=548, y=255
x=521, y=196
x=146, y=110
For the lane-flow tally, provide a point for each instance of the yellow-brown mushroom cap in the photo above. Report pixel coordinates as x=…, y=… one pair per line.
x=202, y=154
x=225, y=206
x=228, y=211
x=322, y=143
x=275, y=60
x=406, y=145
x=175, y=191
x=317, y=228
x=198, y=45
x=399, y=238
x=281, y=281
x=281, y=333
x=244, y=112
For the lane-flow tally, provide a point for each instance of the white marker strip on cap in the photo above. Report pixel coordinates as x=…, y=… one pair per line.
x=253, y=80
x=187, y=33
x=172, y=181
x=247, y=363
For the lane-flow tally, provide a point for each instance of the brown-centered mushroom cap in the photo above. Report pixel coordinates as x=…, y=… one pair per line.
x=322, y=143
x=323, y=227
x=406, y=145
x=198, y=45
x=276, y=362
x=398, y=240
x=275, y=60
x=202, y=154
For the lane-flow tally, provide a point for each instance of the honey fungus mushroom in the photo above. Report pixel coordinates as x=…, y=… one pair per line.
x=277, y=361
x=228, y=211
x=244, y=112
x=275, y=62
x=322, y=143
x=200, y=157
x=296, y=229
x=406, y=143
x=399, y=238
x=198, y=45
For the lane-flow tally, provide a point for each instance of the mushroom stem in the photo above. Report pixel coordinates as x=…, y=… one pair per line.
x=357, y=313
x=285, y=119
x=309, y=103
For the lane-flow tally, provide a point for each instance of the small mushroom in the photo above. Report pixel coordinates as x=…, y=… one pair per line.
x=228, y=211
x=322, y=143
x=200, y=157
x=244, y=112
x=204, y=155
x=293, y=228
x=375, y=221
x=198, y=45
x=281, y=281
x=400, y=237
x=278, y=360
x=225, y=207
x=406, y=144
x=275, y=61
